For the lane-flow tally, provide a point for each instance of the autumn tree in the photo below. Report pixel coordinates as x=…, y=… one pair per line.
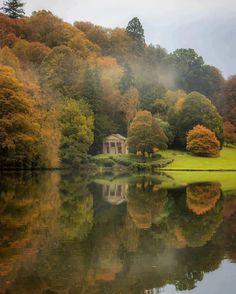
x=129, y=103
x=229, y=132
x=59, y=73
x=202, y=197
x=8, y=58
x=145, y=134
x=19, y=130
x=197, y=109
x=136, y=32
x=77, y=125
x=202, y=142
x=13, y=8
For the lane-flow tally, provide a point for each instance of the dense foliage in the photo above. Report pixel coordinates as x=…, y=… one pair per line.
x=145, y=134
x=77, y=132
x=203, y=142
x=117, y=74
x=197, y=109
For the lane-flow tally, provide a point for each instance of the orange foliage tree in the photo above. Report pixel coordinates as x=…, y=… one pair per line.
x=19, y=132
x=203, y=142
x=202, y=197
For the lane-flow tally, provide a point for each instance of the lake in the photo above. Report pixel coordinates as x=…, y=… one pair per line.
x=61, y=232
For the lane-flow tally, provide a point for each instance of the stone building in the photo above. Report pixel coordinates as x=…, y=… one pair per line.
x=115, y=144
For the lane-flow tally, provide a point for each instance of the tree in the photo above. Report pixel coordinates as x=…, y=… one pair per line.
x=167, y=129
x=136, y=32
x=19, y=130
x=127, y=80
x=129, y=104
x=184, y=62
x=145, y=134
x=203, y=142
x=197, y=109
x=59, y=73
x=202, y=197
x=13, y=8
x=77, y=125
x=230, y=100
x=229, y=132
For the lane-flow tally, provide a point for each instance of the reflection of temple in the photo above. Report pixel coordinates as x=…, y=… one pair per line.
x=152, y=291
x=115, y=193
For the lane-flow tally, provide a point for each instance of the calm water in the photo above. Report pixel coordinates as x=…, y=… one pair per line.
x=69, y=234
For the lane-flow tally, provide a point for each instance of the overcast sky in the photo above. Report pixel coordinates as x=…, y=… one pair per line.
x=208, y=26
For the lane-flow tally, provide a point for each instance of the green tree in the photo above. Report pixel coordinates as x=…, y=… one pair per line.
x=184, y=62
x=197, y=109
x=145, y=134
x=136, y=32
x=91, y=88
x=13, y=8
x=167, y=129
x=127, y=80
x=59, y=73
x=77, y=123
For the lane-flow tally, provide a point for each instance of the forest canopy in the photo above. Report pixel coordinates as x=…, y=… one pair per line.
x=111, y=74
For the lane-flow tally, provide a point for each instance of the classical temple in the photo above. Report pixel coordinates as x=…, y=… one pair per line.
x=115, y=144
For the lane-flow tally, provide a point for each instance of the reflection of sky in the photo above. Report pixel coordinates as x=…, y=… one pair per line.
x=209, y=26
x=220, y=281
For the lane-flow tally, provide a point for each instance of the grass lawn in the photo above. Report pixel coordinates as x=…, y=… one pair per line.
x=186, y=161
x=183, y=178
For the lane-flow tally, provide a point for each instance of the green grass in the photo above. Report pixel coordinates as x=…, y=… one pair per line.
x=183, y=178
x=186, y=161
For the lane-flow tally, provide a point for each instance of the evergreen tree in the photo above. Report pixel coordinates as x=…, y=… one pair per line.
x=92, y=89
x=136, y=32
x=13, y=8
x=127, y=80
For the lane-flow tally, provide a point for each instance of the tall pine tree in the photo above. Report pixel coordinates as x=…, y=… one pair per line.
x=136, y=32
x=13, y=8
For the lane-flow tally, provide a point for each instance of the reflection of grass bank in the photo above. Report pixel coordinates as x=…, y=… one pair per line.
x=183, y=178
x=185, y=161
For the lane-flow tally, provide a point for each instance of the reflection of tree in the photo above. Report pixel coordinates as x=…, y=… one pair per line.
x=202, y=197
x=104, y=249
x=199, y=229
x=146, y=202
x=26, y=202
x=76, y=207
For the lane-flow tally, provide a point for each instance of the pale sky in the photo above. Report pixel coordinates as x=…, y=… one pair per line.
x=208, y=26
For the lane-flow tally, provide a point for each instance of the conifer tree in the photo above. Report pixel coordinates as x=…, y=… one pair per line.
x=13, y=8
x=127, y=80
x=136, y=32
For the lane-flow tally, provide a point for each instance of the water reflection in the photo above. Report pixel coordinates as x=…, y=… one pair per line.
x=64, y=233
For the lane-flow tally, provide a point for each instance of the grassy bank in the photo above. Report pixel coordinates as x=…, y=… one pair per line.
x=184, y=161
x=130, y=161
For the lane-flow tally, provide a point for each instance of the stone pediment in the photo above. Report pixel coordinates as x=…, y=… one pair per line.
x=115, y=137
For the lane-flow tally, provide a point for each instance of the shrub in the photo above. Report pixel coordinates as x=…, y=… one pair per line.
x=108, y=162
x=202, y=142
x=229, y=132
